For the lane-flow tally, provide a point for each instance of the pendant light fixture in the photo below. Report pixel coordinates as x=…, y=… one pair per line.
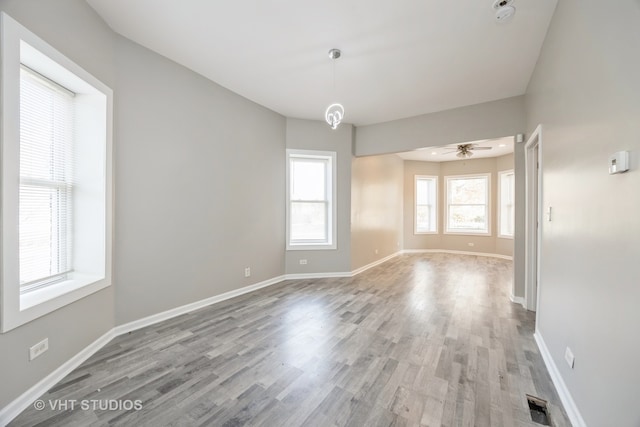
x=335, y=112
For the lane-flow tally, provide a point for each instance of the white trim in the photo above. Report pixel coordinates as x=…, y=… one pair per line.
x=187, y=308
x=331, y=188
x=300, y=276
x=499, y=204
x=563, y=392
x=434, y=178
x=374, y=264
x=449, y=251
x=533, y=260
x=27, y=398
x=517, y=300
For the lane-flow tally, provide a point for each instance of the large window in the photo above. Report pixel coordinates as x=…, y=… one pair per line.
x=426, y=212
x=311, y=199
x=56, y=179
x=468, y=204
x=506, y=213
x=46, y=180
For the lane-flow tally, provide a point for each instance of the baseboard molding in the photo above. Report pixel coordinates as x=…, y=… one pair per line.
x=517, y=300
x=27, y=398
x=187, y=308
x=375, y=263
x=449, y=251
x=567, y=401
x=302, y=276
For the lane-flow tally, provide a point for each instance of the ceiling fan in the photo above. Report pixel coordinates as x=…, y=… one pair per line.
x=466, y=150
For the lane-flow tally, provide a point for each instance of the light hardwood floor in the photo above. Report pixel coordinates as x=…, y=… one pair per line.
x=421, y=340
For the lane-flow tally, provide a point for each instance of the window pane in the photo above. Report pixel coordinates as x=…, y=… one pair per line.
x=308, y=221
x=468, y=191
x=423, y=219
x=308, y=179
x=424, y=191
x=468, y=218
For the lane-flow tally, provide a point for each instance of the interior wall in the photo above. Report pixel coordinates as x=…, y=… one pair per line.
x=472, y=243
x=201, y=179
x=585, y=93
x=376, y=208
x=316, y=135
x=488, y=120
x=74, y=29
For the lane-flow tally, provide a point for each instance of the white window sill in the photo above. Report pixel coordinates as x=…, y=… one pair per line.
x=417, y=233
x=306, y=247
x=73, y=286
x=505, y=237
x=468, y=233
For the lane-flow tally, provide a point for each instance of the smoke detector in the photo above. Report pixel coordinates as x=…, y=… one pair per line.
x=505, y=13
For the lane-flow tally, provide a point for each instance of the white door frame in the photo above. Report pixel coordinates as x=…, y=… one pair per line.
x=533, y=219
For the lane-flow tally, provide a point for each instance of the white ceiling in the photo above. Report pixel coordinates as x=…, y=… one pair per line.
x=447, y=153
x=401, y=58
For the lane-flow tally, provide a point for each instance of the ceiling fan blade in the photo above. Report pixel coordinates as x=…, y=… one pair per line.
x=480, y=148
x=449, y=152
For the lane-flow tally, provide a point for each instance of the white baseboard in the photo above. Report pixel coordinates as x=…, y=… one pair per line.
x=449, y=251
x=174, y=312
x=27, y=398
x=517, y=300
x=302, y=276
x=375, y=263
x=567, y=401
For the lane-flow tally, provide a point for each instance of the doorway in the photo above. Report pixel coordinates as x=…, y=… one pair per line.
x=533, y=223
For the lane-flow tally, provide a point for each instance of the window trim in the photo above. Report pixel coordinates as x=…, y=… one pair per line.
x=331, y=188
x=415, y=204
x=499, y=216
x=19, y=45
x=448, y=230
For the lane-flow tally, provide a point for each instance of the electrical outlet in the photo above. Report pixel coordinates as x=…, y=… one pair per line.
x=303, y=262
x=471, y=244
x=569, y=357
x=247, y=272
x=38, y=349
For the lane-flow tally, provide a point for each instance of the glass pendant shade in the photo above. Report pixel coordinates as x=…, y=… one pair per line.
x=334, y=115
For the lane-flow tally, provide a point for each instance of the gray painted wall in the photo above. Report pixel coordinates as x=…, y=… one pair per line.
x=489, y=120
x=585, y=93
x=376, y=208
x=200, y=173
x=82, y=36
x=316, y=135
x=483, y=244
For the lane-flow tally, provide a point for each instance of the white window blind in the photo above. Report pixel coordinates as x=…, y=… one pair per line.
x=46, y=180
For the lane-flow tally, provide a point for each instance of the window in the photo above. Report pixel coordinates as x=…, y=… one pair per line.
x=468, y=204
x=56, y=179
x=426, y=213
x=506, y=212
x=311, y=200
x=45, y=199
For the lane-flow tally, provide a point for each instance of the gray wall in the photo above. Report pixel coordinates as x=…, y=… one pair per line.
x=82, y=36
x=200, y=174
x=489, y=120
x=316, y=135
x=585, y=91
x=376, y=208
x=483, y=244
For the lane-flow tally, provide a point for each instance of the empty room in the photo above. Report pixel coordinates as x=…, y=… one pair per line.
x=287, y=213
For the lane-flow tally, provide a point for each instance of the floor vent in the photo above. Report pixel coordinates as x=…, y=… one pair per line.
x=538, y=410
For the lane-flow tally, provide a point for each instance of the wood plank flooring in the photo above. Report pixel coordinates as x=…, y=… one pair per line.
x=421, y=340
